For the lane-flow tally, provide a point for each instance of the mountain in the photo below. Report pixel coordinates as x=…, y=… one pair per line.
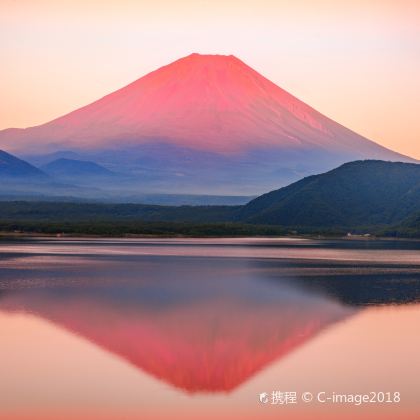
x=204, y=123
x=72, y=168
x=361, y=193
x=24, y=181
x=13, y=168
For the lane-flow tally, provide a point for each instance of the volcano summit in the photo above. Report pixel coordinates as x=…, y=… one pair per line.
x=204, y=123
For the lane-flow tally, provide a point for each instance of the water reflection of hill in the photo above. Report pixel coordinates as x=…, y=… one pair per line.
x=353, y=284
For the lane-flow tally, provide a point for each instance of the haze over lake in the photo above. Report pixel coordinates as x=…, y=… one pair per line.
x=199, y=328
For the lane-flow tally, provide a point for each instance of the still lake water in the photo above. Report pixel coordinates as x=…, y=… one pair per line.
x=198, y=329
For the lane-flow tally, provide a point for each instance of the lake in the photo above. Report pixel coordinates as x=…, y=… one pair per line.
x=209, y=329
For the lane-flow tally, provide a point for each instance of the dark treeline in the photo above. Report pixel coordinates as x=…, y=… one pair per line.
x=119, y=228
x=44, y=211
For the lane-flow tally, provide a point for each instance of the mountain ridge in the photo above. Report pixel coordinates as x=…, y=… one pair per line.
x=13, y=167
x=355, y=194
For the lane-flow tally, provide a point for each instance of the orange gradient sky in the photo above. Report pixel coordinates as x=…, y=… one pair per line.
x=356, y=61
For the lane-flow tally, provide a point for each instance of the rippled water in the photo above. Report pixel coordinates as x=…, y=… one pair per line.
x=198, y=329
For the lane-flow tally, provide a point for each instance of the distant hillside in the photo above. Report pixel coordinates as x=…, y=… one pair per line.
x=368, y=196
x=409, y=227
x=360, y=193
x=12, y=167
x=65, y=179
x=72, y=168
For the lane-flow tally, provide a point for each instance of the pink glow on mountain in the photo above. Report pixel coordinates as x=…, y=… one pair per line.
x=206, y=102
x=198, y=101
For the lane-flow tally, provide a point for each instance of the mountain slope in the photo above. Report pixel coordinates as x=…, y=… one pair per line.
x=359, y=193
x=204, y=123
x=409, y=227
x=72, y=168
x=12, y=167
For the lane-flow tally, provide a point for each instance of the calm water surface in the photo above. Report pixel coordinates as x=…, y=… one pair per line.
x=198, y=329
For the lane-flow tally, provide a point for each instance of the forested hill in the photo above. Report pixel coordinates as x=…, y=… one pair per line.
x=357, y=193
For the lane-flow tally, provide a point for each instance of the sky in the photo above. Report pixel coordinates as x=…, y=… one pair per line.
x=356, y=61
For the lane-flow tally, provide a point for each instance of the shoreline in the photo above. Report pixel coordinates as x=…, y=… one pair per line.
x=4, y=235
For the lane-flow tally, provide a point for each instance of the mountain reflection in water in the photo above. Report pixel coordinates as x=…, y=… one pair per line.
x=202, y=324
